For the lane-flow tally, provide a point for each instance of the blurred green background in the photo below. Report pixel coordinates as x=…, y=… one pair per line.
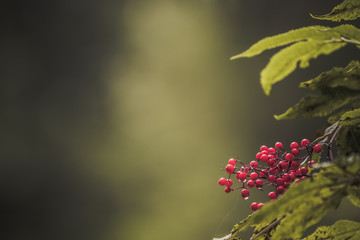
x=117, y=116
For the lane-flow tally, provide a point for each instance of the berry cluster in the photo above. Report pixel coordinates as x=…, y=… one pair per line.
x=273, y=166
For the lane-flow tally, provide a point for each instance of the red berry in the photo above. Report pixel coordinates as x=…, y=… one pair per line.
x=263, y=174
x=230, y=168
x=263, y=148
x=271, y=178
x=244, y=169
x=280, y=189
x=254, y=164
x=258, y=155
x=278, y=145
x=272, y=195
x=222, y=181
x=304, y=170
x=289, y=157
x=286, y=177
x=292, y=176
x=304, y=142
x=299, y=172
x=254, y=176
x=227, y=189
x=260, y=205
x=317, y=148
x=264, y=157
x=294, y=145
x=284, y=165
x=250, y=183
x=232, y=161
x=254, y=206
x=229, y=182
x=241, y=176
x=311, y=164
x=295, y=152
x=259, y=183
x=271, y=163
x=294, y=165
x=245, y=193
x=271, y=150
x=279, y=181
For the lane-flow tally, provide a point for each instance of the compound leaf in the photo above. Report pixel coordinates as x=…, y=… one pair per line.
x=342, y=229
x=347, y=10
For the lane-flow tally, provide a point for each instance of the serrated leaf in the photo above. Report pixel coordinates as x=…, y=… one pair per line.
x=285, y=61
x=312, y=32
x=351, y=117
x=348, y=77
x=346, y=140
x=349, y=31
x=320, y=105
x=342, y=229
x=347, y=10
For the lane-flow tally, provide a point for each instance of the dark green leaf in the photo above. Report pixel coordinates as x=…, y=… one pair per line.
x=320, y=105
x=354, y=195
x=347, y=10
x=348, y=77
x=342, y=229
x=347, y=141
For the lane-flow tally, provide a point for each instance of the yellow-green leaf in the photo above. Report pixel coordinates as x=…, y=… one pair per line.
x=347, y=10
x=351, y=117
x=342, y=229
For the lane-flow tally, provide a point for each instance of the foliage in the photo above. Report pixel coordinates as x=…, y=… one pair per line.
x=338, y=98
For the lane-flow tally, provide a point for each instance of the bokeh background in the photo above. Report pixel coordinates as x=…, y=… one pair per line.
x=118, y=116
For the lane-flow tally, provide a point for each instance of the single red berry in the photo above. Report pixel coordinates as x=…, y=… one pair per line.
x=278, y=145
x=229, y=182
x=304, y=142
x=259, y=184
x=227, y=189
x=284, y=164
x=297, y=180
x=286, y=177
x=317, y=148
x=258, y=155
x=272, y=195
x=271, y=150
x=271, y=178
x=271, y=163
x=265, y=152
x=295, y=152
x=289, y=157
x=222, y=181
x=299, y=172
x=245, y=193
x=254, y=206
x=241, y=176
x=260, y=205
x=254, y=176
x=232, y=161
x=294, y=145
x=292, y=176
x=303, y=177
x=263, y=174
x=263, y=148
x=271, y=156
x=264, y=157
x=250, y=183
x=280, y=189
x=230, y=168
x=254, y=164
x=304, y=170
x=294, y=165
x=279, y=181
x=311, y=164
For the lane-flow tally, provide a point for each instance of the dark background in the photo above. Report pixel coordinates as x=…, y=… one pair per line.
x=117, y=116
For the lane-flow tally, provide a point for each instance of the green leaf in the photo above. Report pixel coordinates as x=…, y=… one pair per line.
x=354, y=195
x=312, y=32
x=348, y=31
x=285, y=62
x=348, y=77
x=320, y=105
x=347, y=141
x=347, y=10
x=342, y=229
x=351, y=117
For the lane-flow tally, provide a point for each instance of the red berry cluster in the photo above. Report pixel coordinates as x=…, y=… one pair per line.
x=273, y=166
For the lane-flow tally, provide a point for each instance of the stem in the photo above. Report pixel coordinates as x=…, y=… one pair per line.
x=276, y=221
